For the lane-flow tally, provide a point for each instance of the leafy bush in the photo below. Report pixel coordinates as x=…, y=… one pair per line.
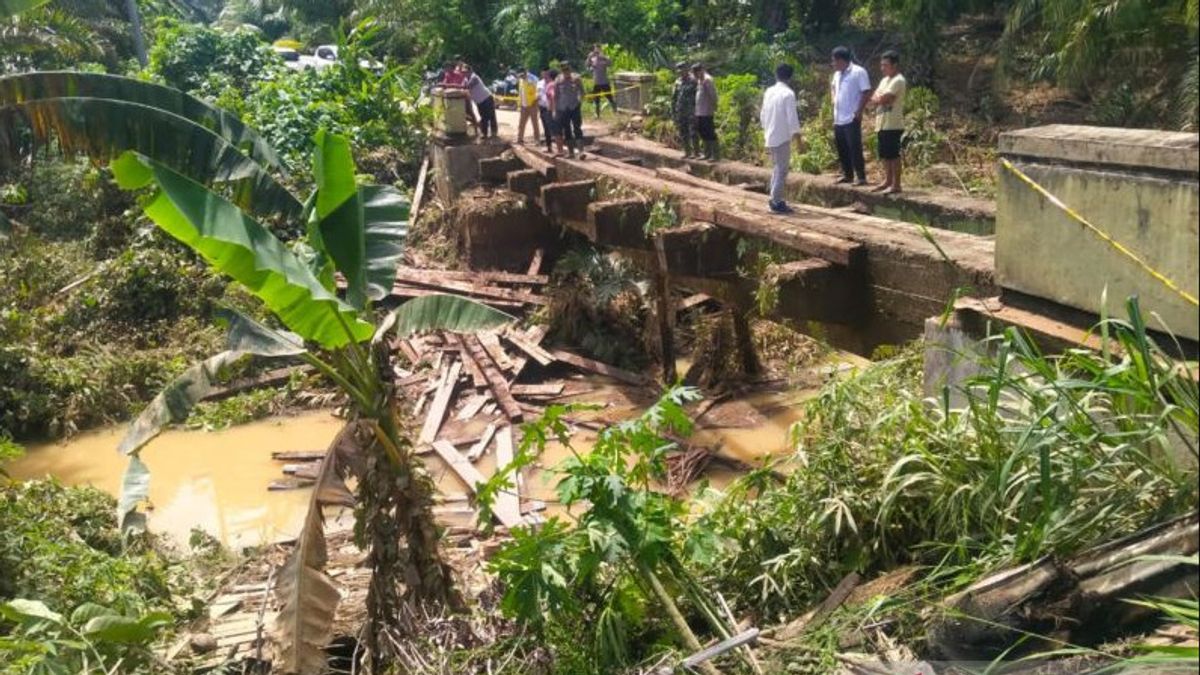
x=66, y=197
x=887, y=477
x=92, y=636
x=62, y=546
x=370, y=109
x=197, y=58
x=737, y=116
x=923, y=141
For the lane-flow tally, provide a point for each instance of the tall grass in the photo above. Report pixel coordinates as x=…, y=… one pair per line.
x=1038, y=454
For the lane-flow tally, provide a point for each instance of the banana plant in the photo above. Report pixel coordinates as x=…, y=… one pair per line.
x=103, y=116
x=358, y=232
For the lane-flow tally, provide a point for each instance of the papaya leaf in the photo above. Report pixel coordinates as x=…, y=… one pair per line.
x=105, y=128
x=243, y=249
x=41, y=85
x=307, y=596
x=446, y=312
x=339, y=214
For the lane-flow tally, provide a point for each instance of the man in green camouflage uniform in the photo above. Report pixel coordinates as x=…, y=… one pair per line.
x=683, y=109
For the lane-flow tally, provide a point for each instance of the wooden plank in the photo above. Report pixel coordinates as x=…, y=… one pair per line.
x=477, y=378
x=599, y=368
x=471, y=476
x=472, y=407
x=509, y=499
x=298, y=455
x=492, y=276
x=694, y=300
x=288, y=484
x=441, y=400
x=665, y=313
x=423, y=278
x=535, y=265
x=419, y=194
x=406, y=348
x=744, y=638
x=401, y=290
x=491, y=342
x=480, y=446
x=534, y=351
x=496, y=381
x=549, y=389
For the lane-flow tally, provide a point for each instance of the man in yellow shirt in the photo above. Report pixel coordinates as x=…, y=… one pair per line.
x=888, y=102
x=527, y=103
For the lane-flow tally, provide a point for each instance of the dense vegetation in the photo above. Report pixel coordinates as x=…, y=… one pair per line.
x=100, y=311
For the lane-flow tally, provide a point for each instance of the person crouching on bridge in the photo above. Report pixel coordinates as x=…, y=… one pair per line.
x=527, y=102
x=780, y=123
x=482, y=97
x=683, y=110
x=568, y=101
x=888, y=102
x=706, y=110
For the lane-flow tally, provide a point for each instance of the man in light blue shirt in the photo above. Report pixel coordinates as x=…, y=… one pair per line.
x=850, y=88
x=780, y=123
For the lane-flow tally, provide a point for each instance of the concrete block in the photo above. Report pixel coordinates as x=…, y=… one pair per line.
x=498, y=232
x=495, y=169
x=701, y=249
x=1142, y=188
x=527, y=182
x=618, y=222
x=568, y=201
x=818, y=290
x=455, y=164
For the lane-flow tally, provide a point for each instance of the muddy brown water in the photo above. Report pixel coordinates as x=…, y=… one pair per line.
x=217, y=481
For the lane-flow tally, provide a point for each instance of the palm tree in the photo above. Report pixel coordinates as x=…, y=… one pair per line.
x=203, y=176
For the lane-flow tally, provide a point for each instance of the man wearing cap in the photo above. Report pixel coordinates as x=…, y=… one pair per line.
x=706, y=109
x=683, y=110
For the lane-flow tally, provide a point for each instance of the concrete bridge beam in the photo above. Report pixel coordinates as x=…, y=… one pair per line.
x=568, y=202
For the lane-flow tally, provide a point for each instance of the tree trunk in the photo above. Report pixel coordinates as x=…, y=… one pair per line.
x=135, y=31
x=395, y=520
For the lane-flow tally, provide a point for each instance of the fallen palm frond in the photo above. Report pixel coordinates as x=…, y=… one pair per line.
x=307, y=596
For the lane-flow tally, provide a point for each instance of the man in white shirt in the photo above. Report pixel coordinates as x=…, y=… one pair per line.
x=780, y=123
x=850, y=87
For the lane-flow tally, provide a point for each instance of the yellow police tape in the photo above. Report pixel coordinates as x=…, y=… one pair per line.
x=1116, y=245
x=586, y=97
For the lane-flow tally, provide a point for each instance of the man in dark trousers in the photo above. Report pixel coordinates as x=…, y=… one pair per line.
x=568, y=102
x=850, y=88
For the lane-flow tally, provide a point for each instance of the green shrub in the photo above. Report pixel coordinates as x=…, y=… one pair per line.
x=62, y=546
x=67, y=196
x=197, y=58
x=923, y=141
x=737, y=116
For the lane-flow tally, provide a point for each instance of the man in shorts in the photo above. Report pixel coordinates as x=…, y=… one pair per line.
x=888, y=102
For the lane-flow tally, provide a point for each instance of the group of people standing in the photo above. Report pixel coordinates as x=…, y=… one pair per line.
x=550, y=102
x=694, y=103
x=694, y=107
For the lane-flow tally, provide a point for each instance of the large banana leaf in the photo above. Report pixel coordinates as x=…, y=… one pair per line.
x=445, y=312
x=307, y=596
x=362, y=229
x=14, y=7
x=175, y=402
x=104, y=128
x=338, y=213
x=42, y=85
x=243, y=249
x=385, y=226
